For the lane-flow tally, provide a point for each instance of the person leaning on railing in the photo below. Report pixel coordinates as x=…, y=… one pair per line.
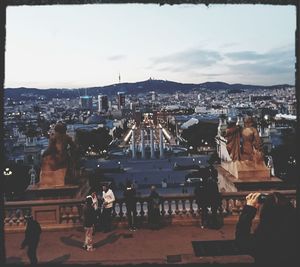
x=274, y=239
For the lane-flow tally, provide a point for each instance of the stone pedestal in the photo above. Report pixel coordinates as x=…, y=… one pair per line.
x=229, y=183
x=247, y=170
x=52, y=178
x=53, y=185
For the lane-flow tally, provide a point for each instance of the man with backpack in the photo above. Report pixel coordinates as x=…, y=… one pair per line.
x=154, y=209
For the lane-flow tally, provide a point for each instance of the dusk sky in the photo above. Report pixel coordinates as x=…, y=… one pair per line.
x=89, y=45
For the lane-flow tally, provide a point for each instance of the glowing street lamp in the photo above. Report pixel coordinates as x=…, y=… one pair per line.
x=7, y=172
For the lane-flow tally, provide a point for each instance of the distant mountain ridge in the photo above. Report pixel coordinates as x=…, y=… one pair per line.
x=142, y=87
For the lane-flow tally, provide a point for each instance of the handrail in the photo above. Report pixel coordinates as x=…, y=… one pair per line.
x=67, y=213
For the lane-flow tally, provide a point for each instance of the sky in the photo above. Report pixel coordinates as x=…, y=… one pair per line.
x=77, y=46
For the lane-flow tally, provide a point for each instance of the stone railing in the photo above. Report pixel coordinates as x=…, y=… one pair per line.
x=67, y=213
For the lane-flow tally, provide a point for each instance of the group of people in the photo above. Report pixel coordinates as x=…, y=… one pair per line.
x=97, y=211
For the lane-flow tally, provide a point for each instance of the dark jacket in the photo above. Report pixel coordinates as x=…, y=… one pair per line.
x=130, y=198
x=154, y=200
x=213, y=195
x=200, y=193
x=274, y=243
x=32, y=233
x=89, y=216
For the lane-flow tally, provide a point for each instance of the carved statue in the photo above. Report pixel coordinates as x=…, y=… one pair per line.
x=58, y=158
x=244, y=143
x=245, y=150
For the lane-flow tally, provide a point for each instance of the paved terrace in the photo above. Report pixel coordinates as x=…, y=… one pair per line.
x=63, y=235
x=115, y=248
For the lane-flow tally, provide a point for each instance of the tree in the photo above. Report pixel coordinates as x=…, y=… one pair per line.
x=201, y=133
x=94, y=140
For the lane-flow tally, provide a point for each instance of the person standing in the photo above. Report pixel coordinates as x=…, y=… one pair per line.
x=89, y=215
x=97, y=210
x=130, y=200
x=32, y=238
x=153, y=209
x=108, y=200
x=214, y=201
x=201, y=200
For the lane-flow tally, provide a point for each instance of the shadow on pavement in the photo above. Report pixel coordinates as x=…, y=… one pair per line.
x=112, y=238
x=69, y=241
x=60, y=259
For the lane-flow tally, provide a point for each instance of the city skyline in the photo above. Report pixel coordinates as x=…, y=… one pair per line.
x=85, y=46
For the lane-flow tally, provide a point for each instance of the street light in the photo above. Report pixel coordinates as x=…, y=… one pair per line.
x=7, y=172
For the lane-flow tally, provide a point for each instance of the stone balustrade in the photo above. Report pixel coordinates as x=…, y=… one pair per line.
x=67, y=213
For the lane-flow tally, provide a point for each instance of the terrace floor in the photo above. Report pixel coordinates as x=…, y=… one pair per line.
x=146, y=246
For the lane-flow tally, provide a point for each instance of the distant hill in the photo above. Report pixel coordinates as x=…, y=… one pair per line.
x=159, y=86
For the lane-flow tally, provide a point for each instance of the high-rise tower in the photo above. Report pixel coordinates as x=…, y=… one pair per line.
x=102, y=103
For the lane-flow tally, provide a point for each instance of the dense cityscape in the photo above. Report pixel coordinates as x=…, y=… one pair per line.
x=101, y=123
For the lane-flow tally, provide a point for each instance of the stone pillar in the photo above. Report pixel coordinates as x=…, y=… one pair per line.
x=142, y=143
x=152, y=143
x=133, y=144
x=161, y=143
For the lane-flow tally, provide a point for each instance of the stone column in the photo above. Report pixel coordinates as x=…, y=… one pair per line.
x=142, y=143
x=161, y=143
x=152, y=143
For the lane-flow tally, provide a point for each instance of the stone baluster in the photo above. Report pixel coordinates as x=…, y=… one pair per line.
x=193, y=207
x=180, y=207
x=6, y=219
x=145, y=208
x=163, y=209
x=21, y=218
x=238, y=206
x=117, y=210
x=224, y=207
x=123, y=211
x=230, y=206
x=14, y=218
x=138, y=209
x=293, y=201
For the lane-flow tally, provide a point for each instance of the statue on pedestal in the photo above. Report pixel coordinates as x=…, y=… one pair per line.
x=58, y=159
x=244, y=143
x=245, y=150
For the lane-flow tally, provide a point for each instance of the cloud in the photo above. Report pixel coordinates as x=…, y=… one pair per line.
x=274, y=62
x=273, y=66
x=272, y=56
x=185, y=60
x=116, y=57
